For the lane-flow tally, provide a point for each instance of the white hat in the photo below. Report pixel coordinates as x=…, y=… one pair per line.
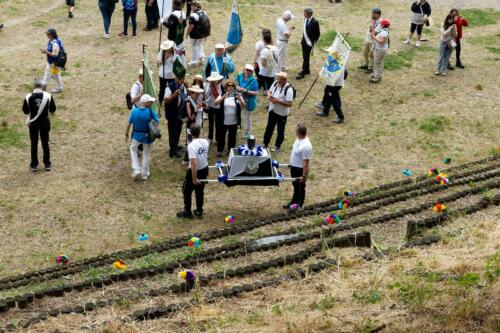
x=219, y=46
x=249, y=67
x=141, y=72
x=147, y=98
x=289, y=14
x=282, y=74
x=198, y=77
x=167, y=45
x=215, y=76
x=196, y=89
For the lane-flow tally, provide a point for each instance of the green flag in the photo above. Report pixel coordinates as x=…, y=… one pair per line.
x=179, y=66
x=149, y=87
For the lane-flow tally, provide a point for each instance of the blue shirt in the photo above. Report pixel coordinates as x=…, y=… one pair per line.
x=216, y=64
x=129, y=4
x=51, y=59
x=139, y=118
x=249, y=84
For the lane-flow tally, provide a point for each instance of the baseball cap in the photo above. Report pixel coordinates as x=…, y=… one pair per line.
x=147, y=98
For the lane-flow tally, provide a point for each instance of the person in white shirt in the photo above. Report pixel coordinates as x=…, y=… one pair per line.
x=165, y=60
x=299, y=166
x=381, y=48
x=283, y=34
x=280, y=95
x=198, y=170
x=368, y=48
x=137, y=89
x=267, y=61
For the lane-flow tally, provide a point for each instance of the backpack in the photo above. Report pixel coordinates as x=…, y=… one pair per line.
x=203, y=27
x=287, y=86
x=62, y=58
x=274, y=55
x=128, y=100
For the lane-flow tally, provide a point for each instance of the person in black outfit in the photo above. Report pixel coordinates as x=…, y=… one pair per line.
x=176, y=17
x=175, y=105
x=37, y=105
x=152, y=15
x=309, y=38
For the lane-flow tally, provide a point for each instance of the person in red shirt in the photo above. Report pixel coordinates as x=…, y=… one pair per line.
x=460, y=22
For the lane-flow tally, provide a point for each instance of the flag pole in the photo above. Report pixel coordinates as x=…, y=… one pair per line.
x=161, y=23
x=315, y=80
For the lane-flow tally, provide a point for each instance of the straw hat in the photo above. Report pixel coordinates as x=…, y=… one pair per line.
x=196, y=89
x=215, y=76
x=167, y=45
x=229, y=81
x=198, y=77
x=282, y=74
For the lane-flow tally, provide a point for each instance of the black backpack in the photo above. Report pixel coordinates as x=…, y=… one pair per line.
x=128, y=100
x=62, y=58
x=203, y=28
x=287, y=86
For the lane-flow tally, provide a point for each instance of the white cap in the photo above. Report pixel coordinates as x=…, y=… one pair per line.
x=289, y=14
x=282, y=74
x=249, y=67
x=219, y=46
x=146, y=98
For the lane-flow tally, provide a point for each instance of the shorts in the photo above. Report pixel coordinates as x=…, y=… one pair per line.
x=70, y=3
x=417, y=27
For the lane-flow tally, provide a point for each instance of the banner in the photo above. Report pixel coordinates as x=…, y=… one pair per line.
x=336, y=60
x=149, y=87
x=164, y=8
x=234, y=32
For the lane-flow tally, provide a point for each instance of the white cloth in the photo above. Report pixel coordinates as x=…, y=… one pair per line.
x=282, y=46
x=258, y=47
x=198, y=149
x=340, y=80
x=55, y=48
x=248, y=121
x=179, y=14
x=211, y=99
x=268, y=53
x=143, y=167
x=306, y=37
x=382, y=34
x=449, y=34
x=281, y=29
x=376, y=26
x=197, y=52
x=47, y=76
x=301, y=150
x=230, y=111
x=279, y=93
x=136, y=90
x=166, y=67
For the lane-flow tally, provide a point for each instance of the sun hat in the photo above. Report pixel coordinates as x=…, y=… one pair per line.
x=219, y=46
x=282, y=74
x=215, y=76
x=249, y=67
x=167, y=45
x=229, y=81
x=198, y=77
x=196, y=89
x=289, y=14
x=147, y=98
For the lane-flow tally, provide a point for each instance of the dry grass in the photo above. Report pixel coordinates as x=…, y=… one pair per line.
x=89, y=205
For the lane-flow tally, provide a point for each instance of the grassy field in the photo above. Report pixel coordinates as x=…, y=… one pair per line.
x=88, y=205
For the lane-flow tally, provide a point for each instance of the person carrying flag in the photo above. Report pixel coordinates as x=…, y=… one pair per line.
x=176, y=18
x=219, y=62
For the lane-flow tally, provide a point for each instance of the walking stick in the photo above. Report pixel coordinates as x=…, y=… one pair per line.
x=315, y=80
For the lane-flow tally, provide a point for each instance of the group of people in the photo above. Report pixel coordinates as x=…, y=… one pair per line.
x=222, y=99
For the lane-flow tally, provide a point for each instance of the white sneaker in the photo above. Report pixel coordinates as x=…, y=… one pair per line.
x=417, y=44
x=56, y=91
x=105, y=35
x=319, y=105
x=136, y=174
x=275, y=149
x=407, y=42
x=144, y=177
x=437, y=72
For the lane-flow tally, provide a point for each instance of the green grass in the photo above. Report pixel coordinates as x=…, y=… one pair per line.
x=434, y=124
x=10, y=136
x=327, y=38
x=490, y=42
x=480, y=17
x=397, y=60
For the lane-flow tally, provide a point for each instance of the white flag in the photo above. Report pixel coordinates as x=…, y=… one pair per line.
x=336, y=60
x=164, y=8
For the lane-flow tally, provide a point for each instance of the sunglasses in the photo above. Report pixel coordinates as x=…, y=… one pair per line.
x=230, y=85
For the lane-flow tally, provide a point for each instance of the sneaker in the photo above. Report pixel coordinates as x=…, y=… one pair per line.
x=363, y=67
x=105, y=35
x=205, y=116
x=319, y=105
x=144, y=177
x=122, y=34
x=48, y=167
x=338, y=120
x=417, y=44
x=198, y=214
x=437, y=72
x=70, y=15
x=135, y=35
x=374, y=80
x=136, y=174
x=275, y=149
x=56, y=91
x=185, y=215
x=460, y=66
x=444, y=74
x=33, y=168
x=450, y=67
x=407, y=42
x=321, y=114
x=287, y=205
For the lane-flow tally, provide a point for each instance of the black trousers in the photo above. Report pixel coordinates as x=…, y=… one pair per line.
x=458, y=50
x=163, y=86
x=331, y=98
x=306, y=56
x=265, y=82
x=299, y=189
x=231, y=131
x=174, y=134
x=417, y=27
x=219, y=122
x=40, y=130
x=275, y=120
x=132, y=15
x=211, y=122
x=152, y=15
x=188, y=187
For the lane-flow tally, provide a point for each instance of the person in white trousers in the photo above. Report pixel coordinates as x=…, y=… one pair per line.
x=198, y=30
x=139, y=120
x=283, y=33
x=54, y=45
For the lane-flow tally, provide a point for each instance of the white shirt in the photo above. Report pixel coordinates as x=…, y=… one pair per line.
x=136, y=90
x=301, y=150
x=306, y=37
x=385, y=34
x=279, y=93
x=55, y=47
x=198, y=149
x=179, y=14
x=376, y=26
x=267, y=53
x=281, y=30
x=230, y=111
x=166, y=68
